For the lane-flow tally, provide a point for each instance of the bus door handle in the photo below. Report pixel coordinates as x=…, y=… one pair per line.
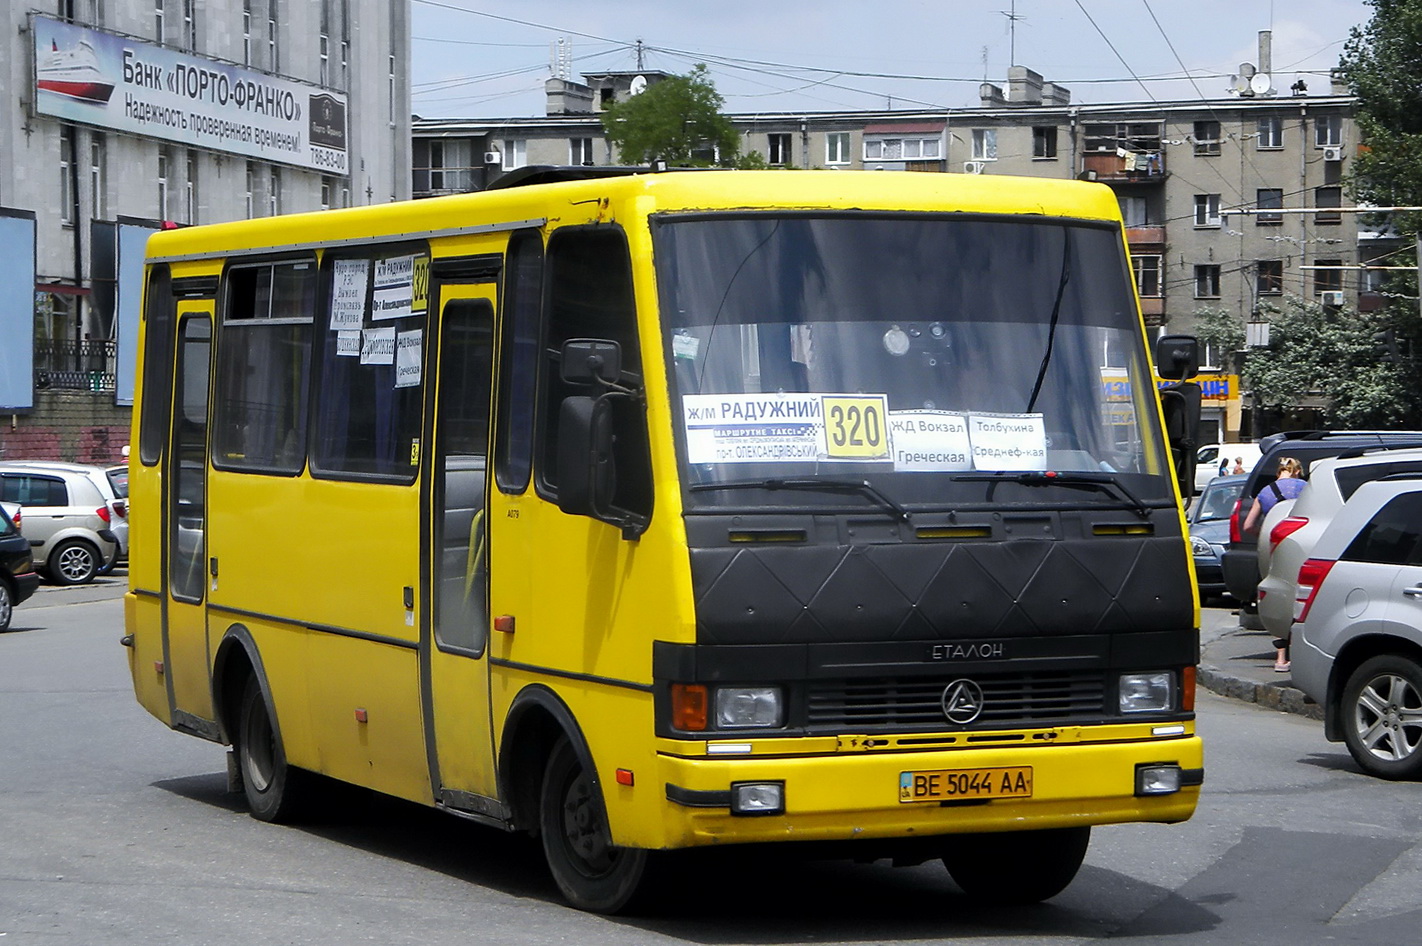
x=212, y=566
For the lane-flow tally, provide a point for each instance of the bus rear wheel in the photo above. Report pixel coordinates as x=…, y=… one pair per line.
x=1016, y=867
x=590, y=870
x=275, y=791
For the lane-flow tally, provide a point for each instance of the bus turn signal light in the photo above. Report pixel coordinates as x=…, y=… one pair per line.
x=688, y=707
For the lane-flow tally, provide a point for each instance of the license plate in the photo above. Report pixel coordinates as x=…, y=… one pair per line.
x=959, y=784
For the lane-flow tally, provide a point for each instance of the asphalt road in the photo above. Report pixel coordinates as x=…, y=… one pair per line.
x=114, y=830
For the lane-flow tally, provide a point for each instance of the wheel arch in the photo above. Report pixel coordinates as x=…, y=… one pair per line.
x=1349, y=658
x=536, y=720
x=237, y=659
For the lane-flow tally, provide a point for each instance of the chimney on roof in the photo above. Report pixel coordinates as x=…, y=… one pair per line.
x=991, y=96
x=1024, y=87
x=566, y=97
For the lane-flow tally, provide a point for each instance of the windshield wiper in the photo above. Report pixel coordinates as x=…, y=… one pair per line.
x=813, y=484
x=1105, y=482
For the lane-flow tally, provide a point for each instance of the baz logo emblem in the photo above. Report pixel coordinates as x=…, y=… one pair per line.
x=962, y=701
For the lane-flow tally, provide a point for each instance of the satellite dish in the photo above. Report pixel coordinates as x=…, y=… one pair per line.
x=1247, y=69
x=1261, y=84
x=639, y=84
x=1240, y=85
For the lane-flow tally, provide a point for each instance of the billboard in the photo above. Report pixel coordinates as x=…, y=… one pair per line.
x=17, y=310
x=117, y=82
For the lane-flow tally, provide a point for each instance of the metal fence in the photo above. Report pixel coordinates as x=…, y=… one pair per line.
x=86, y=365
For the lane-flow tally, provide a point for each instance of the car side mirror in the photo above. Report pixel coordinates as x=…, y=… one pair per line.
x=1180, y=407
x=1177, y=357
x=590, y=361
x=587, y=471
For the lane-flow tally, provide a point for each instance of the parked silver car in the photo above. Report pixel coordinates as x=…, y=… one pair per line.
x=1358, y=644
x=1293, y=527
x=69, y=516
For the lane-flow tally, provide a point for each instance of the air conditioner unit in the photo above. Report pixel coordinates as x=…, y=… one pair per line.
x=974, y=167
x=1333, y=154
x=1331, y=298
x=493, y=157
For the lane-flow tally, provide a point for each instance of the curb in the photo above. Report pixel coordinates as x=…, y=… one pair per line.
x=1283, y=698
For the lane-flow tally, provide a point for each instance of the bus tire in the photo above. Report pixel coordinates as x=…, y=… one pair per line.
x=592, y=873
x=276, y=792
x=1016, y=867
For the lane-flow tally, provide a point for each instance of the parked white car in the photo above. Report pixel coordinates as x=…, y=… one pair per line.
x=1357, y=645
x=69, y=513
x=1217, y=459
x=1293, y=527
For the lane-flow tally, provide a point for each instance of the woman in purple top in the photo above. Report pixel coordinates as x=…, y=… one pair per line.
x=1289, y=484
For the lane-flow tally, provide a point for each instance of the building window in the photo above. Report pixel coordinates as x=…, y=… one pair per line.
x=274, y=192
x=251, y=190
x=273, y=52
x=580, y=151
x=1129, y=137
x=190, y=194
x=1207, y=281
x=900, y=149
x=1328, y=131
x=837, y=147
x=1134, y=212
x=345, y=64
x=1266, y=199
x=328, y=191
x=246, y=32
x=1270, y=277
x=515, y=153
x=1271, y=133
x=158, y=20
x=1207, y=137
x=778, y=150
x=984, y=144
x=96, y=173
x=1207, y=210
x=1329, y=278
x=1328, y=197
x=1044, y=141
x=324, y=44
x=164, y=168
x=390, y=86
x=189, y=24
x=68, y=213
x=1147, y=273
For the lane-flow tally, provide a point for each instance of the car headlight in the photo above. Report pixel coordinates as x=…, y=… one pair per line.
x=1200, y=548
x=749, y=708
x=1147, y=692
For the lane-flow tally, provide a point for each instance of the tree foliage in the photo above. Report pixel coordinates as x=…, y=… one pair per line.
x=1337, y=354
x=677, y=119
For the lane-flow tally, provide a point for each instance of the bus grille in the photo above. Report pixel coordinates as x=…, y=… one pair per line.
x=914, y=703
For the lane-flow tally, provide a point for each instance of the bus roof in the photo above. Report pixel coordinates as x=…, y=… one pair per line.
x=533, y=204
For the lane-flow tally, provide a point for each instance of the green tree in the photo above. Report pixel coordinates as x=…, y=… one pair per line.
x=678, y=120
x=1317, y=350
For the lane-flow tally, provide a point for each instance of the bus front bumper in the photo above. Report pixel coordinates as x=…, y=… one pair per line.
x=920, y=794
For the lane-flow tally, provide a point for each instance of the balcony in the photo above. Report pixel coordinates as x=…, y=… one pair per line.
x=1132, y=167
x=439, y=181
x=1149, y=237
x=86, y=365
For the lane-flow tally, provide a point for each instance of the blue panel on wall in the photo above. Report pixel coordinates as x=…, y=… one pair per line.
x=132, y=241
x=17, y=310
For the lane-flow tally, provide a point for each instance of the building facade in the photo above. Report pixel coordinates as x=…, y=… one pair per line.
x=1210, y=189
x=124, y=117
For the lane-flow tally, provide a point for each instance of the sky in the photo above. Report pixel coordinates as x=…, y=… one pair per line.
x=489, y=58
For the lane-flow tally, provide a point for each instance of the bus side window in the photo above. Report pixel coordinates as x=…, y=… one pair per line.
x=589, y=295
x=523, y=298
x=158, y=315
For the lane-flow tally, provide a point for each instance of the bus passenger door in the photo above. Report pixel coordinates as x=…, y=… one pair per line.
x=454, y=647
x=185, y=652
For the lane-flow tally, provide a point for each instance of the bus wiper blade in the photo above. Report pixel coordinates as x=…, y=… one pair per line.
x=1104, y=482
x=813, y=484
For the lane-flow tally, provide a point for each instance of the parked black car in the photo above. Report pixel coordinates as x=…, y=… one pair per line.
x=1241, y=557
x=18, y=579
x=1209, y=531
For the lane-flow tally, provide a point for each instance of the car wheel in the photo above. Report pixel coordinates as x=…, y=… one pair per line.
x=592, y=873
x=7, y=604
x=74, y=562
x=275, y=791
x=1017, y=867
x=1382, y=713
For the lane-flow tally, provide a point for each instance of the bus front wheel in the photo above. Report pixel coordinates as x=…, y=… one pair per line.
x=275, y=791
x=1016, y=867
x=590, y=870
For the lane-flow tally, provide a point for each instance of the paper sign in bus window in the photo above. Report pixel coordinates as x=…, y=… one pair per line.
x=377, y=346
x=348, y=344
x=753, y=428
x=408, y=349
x=1008, y=441
x=930, y=441
x=394, y=288
x=348, y=282
x=856, y=427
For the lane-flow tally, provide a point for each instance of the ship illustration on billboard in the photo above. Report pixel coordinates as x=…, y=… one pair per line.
x=74, y=72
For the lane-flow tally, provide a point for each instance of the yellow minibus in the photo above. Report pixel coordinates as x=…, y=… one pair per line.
x=643, y=510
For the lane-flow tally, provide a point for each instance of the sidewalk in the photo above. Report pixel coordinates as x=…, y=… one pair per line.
x=1239, y=664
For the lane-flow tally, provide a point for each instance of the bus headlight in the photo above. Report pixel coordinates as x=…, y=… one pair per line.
x=757, y=798
x=749, y=708
x=1147, y=692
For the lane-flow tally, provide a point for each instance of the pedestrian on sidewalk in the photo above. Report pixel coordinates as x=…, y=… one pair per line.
x=1287, y=485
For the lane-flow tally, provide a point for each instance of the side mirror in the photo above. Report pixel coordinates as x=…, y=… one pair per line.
x=1177, y=357
x=1180, y=405
x=587, y=474
x=589, y=360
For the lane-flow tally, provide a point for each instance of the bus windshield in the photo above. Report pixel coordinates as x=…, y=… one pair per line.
x=945, y=360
